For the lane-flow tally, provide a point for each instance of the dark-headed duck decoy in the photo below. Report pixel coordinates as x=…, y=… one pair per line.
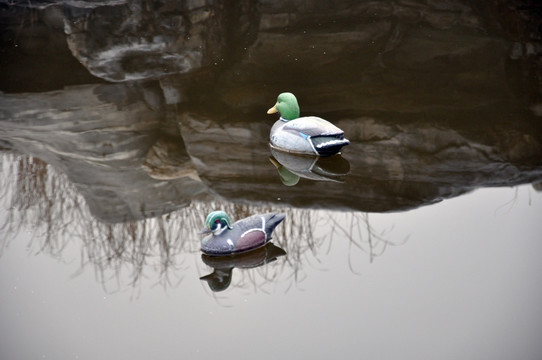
x=246, y=234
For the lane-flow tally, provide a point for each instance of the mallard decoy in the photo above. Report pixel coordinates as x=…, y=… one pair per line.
x=244, y=235
x=303, y=135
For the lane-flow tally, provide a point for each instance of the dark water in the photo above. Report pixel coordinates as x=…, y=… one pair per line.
x=122, y=125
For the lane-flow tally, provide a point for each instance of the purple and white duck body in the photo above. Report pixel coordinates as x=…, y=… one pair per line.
x=246, y=234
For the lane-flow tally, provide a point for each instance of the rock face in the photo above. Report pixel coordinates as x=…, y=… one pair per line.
x=437, y=98
x=391, y=167
x=148, y=40
x=120, y=43
x=99, y=136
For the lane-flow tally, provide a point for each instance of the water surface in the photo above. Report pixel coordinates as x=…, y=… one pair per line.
x=123, y=124
x=458, y=279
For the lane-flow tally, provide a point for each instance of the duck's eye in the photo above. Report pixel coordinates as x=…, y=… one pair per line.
x=218, y=223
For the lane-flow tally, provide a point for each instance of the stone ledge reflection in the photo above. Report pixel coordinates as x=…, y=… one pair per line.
x=131, y=159
x=100, y=136
x=395, y=164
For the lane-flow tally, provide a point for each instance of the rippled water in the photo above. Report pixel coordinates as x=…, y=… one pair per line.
x=122, y=125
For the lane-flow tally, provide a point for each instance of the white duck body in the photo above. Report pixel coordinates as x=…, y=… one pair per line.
x=307, y=135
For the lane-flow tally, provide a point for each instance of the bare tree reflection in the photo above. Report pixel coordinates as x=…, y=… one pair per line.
x=357, y=228
x=42, y=201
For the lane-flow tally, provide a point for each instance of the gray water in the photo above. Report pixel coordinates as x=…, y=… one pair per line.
x=458, y=279
x=122, y=125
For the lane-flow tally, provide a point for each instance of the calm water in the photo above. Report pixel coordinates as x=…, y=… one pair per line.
x=123, y=125
x=458, y=279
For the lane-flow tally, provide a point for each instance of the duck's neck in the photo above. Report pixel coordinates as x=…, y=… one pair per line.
x=290, y=113
x=219, y=230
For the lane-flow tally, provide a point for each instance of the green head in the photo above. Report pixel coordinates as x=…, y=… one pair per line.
x=217, y=221
x=287, y=177
x=287, y=106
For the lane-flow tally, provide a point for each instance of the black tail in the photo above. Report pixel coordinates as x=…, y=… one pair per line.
x=272, y=221
x=327, y=145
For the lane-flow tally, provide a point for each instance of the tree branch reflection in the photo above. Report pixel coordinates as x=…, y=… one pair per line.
x=42, y=202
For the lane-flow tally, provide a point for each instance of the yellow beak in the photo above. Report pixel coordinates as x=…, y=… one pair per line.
x=272, y=110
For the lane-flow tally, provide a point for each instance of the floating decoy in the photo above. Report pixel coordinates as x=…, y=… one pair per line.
x=303, y=135
x=246, y=234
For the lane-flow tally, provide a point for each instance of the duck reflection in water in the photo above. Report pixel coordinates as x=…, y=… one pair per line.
x=292, y=167
x=220, y=279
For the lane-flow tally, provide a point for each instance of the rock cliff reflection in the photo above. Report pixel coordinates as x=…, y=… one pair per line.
x=122, y=158
x=435, y=98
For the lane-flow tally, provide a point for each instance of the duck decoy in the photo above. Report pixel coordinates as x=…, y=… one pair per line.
x=303, y=135
x=246, y=234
